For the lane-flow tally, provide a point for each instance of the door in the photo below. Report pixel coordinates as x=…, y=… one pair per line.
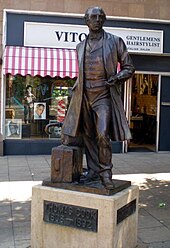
x=141, y=111
x=164, y=130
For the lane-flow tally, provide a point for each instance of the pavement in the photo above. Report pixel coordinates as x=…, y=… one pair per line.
x=149, y=170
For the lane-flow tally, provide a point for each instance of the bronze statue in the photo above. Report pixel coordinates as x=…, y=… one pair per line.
x=96, y=109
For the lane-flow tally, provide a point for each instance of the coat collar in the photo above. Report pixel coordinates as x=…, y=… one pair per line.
x=97, y=45
x=83, y=44
x=106, y=47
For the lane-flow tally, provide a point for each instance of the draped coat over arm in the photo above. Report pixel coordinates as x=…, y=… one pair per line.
x=114, y=51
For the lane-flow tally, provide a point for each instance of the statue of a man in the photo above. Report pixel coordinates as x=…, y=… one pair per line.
x=96, y=109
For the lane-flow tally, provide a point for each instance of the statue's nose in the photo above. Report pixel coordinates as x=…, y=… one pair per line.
x=97, y=17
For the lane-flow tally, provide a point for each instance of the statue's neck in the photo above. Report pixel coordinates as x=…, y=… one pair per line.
x=96, y=35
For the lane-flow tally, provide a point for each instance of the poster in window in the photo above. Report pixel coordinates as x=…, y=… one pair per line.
x=13, y=128
x=39, y=111
x=144, y=85
x=55, y=132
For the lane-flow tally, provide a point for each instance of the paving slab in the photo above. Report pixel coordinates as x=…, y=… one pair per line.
x=6, y=222
x=7, y=245
x=22, y=232
x=165, y=244
x=6, y=235
x=150, y=171
x=160, y=213
x=154, y=234
x=146, y=220
x=20, y=177
x=23, y=243
x=4, y=177
x=166, y=223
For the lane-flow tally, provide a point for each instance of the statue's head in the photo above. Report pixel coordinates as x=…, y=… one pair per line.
x=95, y=18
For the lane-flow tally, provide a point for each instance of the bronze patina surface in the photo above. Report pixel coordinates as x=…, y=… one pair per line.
x=96, y=114
x=94, y=187
x=96, y=110
x=66, y=164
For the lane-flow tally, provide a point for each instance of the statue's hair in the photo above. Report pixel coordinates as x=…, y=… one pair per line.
x=86, y=16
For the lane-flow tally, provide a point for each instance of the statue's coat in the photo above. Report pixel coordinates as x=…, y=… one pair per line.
x=114, y=51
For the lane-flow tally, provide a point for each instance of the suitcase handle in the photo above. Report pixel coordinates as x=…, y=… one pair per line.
x=57, y=164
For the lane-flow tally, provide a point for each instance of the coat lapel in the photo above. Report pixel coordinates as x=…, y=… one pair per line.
x=81, y=50
x=110, y=57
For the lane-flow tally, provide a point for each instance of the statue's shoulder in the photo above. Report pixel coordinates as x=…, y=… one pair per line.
x=114, y=39
x=112, y=36
x=79, y=45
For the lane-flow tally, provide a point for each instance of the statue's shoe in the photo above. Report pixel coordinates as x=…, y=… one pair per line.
x=107, y=183
x=89, y=177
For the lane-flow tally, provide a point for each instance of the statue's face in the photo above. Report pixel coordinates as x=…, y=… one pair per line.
x=95, y=19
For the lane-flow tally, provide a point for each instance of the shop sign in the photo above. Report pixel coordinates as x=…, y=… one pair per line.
x=68, y=36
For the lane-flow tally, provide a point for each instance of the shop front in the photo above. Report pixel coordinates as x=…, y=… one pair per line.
x=38, y=90
x=40, y=68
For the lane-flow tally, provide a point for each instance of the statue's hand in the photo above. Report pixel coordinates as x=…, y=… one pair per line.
x=112, y=81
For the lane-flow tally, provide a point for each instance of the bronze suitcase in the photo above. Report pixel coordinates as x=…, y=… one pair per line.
x=66, y=164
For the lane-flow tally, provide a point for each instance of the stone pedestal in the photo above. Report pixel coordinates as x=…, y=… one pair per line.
x=70, y=219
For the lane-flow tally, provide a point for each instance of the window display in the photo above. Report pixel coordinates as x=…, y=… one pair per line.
x=144, y=109
x=28, y=104
x=34, y=102
x=55, y=132
x=13, y=128
x=39, y=111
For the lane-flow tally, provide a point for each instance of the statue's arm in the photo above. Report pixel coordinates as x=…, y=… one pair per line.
x=126, y=66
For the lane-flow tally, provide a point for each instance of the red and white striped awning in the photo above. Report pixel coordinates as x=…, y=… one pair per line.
x=40, y=61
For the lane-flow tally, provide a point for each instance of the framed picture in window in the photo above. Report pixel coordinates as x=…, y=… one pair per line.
x=13, y=128
x=39, y=111
x=55, y=131
x=144, y=85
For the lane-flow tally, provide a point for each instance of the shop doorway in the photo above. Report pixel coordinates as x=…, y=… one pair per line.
x=142, y=114
x=164, y=134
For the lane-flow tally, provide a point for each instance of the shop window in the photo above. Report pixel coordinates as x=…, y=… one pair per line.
x=144, y=108
x=34, y=102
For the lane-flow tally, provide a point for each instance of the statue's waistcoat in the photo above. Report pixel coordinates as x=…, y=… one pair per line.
x=94, y=70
